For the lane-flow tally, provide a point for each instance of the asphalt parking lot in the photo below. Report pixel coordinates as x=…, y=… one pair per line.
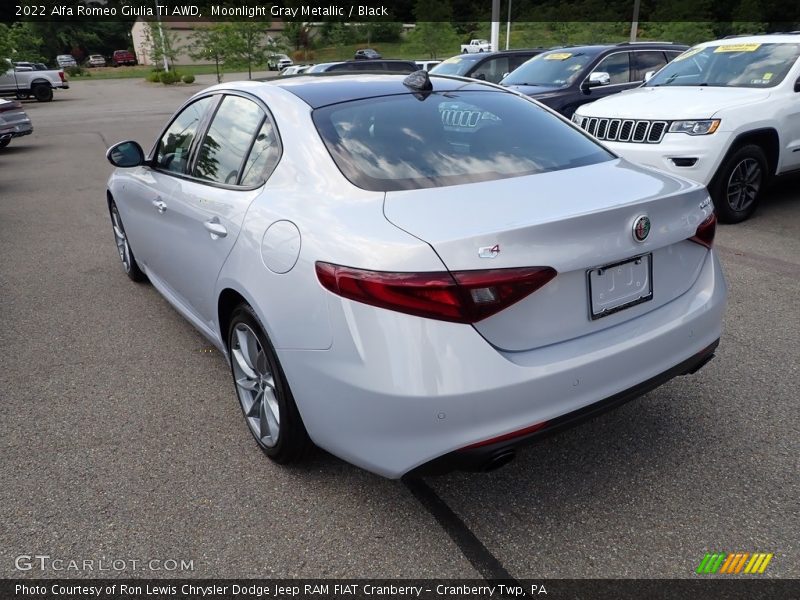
x=121, y=437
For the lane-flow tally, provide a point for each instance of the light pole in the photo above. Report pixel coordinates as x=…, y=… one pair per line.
x=508, y=24
x=495, y=25
x=635, y=20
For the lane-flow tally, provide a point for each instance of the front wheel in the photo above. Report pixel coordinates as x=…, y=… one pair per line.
x=738, y=184
x=266, y=400
x=123, y=247
x=5, y=142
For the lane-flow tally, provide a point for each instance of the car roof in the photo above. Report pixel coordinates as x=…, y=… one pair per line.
x=595, y=49
x=770, y=38
x=324, y=89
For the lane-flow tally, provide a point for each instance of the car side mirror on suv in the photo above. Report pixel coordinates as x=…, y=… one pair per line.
x=595, y=79
x=649, y=75
x=797, y=85
x=126, y=155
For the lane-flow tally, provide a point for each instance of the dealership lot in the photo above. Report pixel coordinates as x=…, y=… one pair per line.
x=121, y=435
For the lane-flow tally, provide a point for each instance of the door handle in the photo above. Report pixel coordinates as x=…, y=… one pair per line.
x=215, y=228
x=160, y=205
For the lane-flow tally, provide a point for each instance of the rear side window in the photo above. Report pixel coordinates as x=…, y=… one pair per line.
x=228, y=141
x=411, y=141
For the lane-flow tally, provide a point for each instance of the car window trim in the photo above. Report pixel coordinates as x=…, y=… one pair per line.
x=205, y=124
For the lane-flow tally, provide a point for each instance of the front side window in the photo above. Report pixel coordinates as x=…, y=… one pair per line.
x=730, y=64
x=648, y=61
x=172, y=152
x=410, y=142
x=228, y=140
x=618, y=67
x=492, y=70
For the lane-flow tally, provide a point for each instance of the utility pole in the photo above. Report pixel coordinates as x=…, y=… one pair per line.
x=635, y=21
x=508, y=25
x=161, y=34
x=495, y=25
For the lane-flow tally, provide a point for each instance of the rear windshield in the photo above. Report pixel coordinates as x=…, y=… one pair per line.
x=413, y=141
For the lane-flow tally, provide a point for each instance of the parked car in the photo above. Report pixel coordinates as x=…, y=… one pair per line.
x=14, y=122
x=476, y=46
x=66, y=60
x=391, y=66
x=295, y=69
x=426, y=65
x=725, y=113
x=367, y=53
x=123, y=57
x=488, y=66
x=476, y=273
x=566, y=78
x=23, y=81
x=277, y=62
x=96, y=60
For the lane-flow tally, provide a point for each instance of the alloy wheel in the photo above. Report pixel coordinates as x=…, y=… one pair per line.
x=121, y=239
x=744, y=184
x=255, y=385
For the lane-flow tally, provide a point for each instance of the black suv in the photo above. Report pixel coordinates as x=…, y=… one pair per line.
x=486, y=66
x=565, y=78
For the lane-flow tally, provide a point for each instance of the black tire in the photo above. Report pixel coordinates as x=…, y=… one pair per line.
x=739, y=183
x=124, y=250
x=292, y=442
x=42, y=92
x=5, y=142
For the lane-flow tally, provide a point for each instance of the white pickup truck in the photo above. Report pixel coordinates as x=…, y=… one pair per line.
x=23, y=82
x=476, y=46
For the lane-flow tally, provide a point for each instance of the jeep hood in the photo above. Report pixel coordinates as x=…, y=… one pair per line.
x=672, y=103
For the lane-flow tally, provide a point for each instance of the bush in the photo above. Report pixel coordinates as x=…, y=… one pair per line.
x=302, y=56
x=169, y=77
x=77, y=72
x=188, y=78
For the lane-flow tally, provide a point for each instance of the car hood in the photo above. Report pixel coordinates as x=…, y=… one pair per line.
x=671, y=103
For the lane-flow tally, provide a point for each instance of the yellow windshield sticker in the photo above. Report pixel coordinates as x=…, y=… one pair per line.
x=688, y=53
x=455, y=59
x=558, y=56
x=737, y=48
x=767, y=76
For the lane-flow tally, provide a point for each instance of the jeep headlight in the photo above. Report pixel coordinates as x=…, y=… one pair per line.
x=703, y=127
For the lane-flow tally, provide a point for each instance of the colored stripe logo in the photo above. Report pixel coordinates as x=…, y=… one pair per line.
x=734, y=563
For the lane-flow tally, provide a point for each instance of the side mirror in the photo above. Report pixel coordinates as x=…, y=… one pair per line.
x=649, y=75
x=125, y=155
x=595, y=79
x=797, y=85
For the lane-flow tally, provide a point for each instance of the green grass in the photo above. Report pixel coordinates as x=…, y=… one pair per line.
x=141, y=71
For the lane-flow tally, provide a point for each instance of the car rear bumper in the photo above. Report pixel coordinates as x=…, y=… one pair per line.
x=395, y=392
x=18, y=130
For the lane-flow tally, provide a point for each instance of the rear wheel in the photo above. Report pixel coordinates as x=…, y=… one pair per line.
x=266, y=400
x=123, y=247
x=739, y=182
x=43, y=92
x=5, y=142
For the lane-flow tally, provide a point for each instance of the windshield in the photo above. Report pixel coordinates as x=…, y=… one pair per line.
x=730, y=65
x=554, y=69
x=458, y=65
x=411, y=141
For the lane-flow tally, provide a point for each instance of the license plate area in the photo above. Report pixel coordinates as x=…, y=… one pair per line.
x=618, y=286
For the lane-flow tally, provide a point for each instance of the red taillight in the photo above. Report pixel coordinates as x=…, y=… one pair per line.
x=61, y=74
x=706, y=231
x=14, y=104
x=461, y=297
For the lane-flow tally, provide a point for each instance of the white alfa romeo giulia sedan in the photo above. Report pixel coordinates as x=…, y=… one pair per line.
x=416, y=273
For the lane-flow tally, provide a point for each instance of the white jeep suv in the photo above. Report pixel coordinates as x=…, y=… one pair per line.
x=724, y=113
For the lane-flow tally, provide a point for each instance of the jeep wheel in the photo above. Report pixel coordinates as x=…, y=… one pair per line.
x=737, y=186
x=43, y=92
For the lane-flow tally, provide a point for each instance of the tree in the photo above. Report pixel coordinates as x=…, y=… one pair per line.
x=210, y=43
x=20, y=42
x=160, y=43
x=434, y=39
x=246, y=44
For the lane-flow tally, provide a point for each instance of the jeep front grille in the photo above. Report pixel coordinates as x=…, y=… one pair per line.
x=624, y=130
